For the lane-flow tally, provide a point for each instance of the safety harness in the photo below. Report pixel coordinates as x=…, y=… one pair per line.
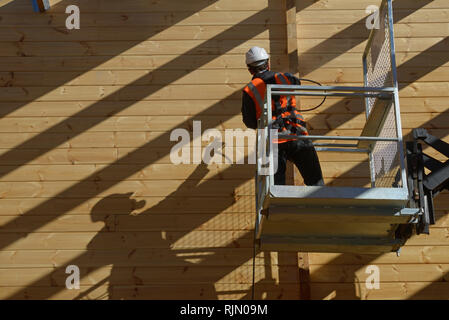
x=286, y=118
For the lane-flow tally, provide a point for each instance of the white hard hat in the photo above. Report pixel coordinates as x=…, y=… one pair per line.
x=256, y=54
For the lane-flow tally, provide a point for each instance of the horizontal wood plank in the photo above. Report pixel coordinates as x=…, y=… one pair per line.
x=160, y=92
x=357, y=45
x=138, y=257
x=326, y=76
x=140, y=188
x=358, y=15
x=409, y=255
x=388, y=273
x=144, y=221
x=157, y=292
x=344, y=31
x=395, y=291
x=430, y=60
x=362, y=4
x=145, y=141
x=137, y=19
x=118, y=6
x=227, y=107
x=256, y=30
x=45, y=277
x=157, y=172
x=138, y=124
x=171, y=240
x=130, y=48
x=126, y=204
x=144, y=62
x=338, y=76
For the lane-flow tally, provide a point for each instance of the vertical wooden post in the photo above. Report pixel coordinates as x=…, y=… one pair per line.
x=292, y=41
x=292, y=60
x=293, y=174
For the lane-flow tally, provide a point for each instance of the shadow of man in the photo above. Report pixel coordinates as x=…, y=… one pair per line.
x=135, y=255
x=117, y=204
x=177, y=263
x=209, y=266
x=128, y=268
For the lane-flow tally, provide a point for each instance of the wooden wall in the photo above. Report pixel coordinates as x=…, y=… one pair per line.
x=86, y=117
x=331, y=38
x=85, y=171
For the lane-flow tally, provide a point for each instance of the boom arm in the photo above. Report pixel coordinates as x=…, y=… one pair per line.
x=424, y=187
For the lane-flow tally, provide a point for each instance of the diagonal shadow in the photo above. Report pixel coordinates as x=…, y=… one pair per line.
x=369, y=258
x=348, y=32
x=434, y=287
x=127, y=92
x=91, y=60
x=434, y=62
x=176, y=261
x=143, y=151
x=116, y=96
x=177, y=63
x=130, y=94
x=163, y=139
x=88, y=259
x=364, y=260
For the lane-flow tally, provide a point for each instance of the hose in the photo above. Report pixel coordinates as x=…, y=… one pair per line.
x=319, y=105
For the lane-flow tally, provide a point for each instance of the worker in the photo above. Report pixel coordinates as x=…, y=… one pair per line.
x=286, y=118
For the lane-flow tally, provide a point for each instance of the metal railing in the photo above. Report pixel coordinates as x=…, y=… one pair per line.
x=389, y=94
x=379, y=70
x=381, y=137
x=267, y=148
x=380, y=92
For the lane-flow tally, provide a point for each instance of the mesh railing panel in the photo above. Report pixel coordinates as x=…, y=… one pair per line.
x=385, y=164
x=385, y=155
x=378, y=57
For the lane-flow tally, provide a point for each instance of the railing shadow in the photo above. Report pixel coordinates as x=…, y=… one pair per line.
x=120, y=249
x=42, y=139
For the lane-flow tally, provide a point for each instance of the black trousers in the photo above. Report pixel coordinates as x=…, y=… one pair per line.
x=303, y=154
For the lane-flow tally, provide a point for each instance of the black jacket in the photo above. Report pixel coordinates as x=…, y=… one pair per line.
x=248, y=107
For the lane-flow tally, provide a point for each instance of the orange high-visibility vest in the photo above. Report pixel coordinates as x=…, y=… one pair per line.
x=286, y=118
